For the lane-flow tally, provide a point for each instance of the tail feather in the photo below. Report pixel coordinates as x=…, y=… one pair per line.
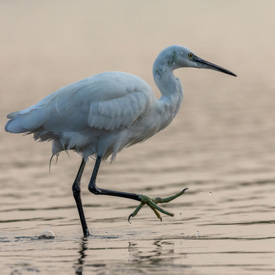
x=21, y=122
x=14, y=126
x=12, y=115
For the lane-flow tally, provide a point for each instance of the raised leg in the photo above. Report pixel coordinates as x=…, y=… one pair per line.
x=77, y=197
x=152, y=203
x=100, y=191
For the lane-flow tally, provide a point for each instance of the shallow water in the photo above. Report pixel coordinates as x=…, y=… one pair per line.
x=220, y=146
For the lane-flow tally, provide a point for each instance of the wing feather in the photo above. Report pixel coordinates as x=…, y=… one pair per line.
x=119, y=112
x=106, y=101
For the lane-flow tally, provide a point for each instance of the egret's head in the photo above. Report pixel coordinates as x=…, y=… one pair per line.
x=175, y=57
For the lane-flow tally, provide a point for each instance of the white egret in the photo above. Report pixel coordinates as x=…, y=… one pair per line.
x=102, y=114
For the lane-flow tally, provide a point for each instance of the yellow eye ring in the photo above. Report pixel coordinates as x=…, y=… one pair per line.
x=190, y=55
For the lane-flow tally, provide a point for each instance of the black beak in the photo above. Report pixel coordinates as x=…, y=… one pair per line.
x=207, y=65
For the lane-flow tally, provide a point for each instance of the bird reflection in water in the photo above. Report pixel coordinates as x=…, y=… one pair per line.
x=79, y=265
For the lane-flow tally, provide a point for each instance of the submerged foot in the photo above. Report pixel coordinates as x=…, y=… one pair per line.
x=152, y=203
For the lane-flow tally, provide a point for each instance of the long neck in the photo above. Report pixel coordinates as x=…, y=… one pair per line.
x=171, y=92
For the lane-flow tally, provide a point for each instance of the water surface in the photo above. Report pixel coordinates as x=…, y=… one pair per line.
x=220, y=146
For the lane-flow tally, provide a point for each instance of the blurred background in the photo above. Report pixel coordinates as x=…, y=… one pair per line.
x=220, y=144
x=46, y=46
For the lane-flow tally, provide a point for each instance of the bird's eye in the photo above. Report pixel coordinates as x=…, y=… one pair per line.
x=190, y=55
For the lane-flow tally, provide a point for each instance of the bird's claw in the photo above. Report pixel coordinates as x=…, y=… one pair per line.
x=152, y=203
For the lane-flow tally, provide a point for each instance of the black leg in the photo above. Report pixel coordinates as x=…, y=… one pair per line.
x=77, y=197
x=100, y=191
x=152, y=203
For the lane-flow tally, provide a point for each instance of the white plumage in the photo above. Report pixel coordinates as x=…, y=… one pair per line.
x=97, y=115
x=102, y=114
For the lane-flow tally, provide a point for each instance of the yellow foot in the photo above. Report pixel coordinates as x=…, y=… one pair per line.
x=152, y=203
